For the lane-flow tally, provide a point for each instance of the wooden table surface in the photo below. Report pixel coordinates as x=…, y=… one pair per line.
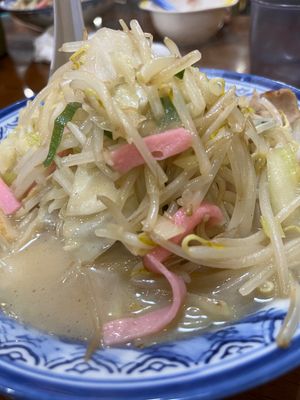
x=228, y=50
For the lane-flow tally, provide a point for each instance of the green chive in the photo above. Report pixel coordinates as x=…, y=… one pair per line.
x=170, y=118
x=58, y=129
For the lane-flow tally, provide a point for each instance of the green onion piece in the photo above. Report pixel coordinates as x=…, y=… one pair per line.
x=171, y=118
x=58, y=129
x=108, y=134
x=180, y=74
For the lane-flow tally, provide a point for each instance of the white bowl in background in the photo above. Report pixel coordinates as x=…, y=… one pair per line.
x=193, y=22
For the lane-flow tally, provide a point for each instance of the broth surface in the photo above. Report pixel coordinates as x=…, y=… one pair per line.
x=42, y=285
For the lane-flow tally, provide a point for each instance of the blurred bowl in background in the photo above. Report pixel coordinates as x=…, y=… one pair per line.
x=193, y=22
x=43, y=17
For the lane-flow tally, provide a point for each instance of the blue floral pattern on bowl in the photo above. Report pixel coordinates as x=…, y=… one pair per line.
x=35, y=365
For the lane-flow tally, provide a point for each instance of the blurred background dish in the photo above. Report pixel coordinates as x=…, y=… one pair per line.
x=43, y=17
x=193, y=22
x=31, y=4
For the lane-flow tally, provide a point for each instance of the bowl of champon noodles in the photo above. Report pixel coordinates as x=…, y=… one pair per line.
x=188, y=22
x=149, y=220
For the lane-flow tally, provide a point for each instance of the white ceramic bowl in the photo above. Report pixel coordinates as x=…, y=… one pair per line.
x=192, y=23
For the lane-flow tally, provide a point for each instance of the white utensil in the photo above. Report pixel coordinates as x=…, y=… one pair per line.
x=68, y=27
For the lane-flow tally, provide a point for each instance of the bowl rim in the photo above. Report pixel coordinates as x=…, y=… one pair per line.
x=173, y=13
